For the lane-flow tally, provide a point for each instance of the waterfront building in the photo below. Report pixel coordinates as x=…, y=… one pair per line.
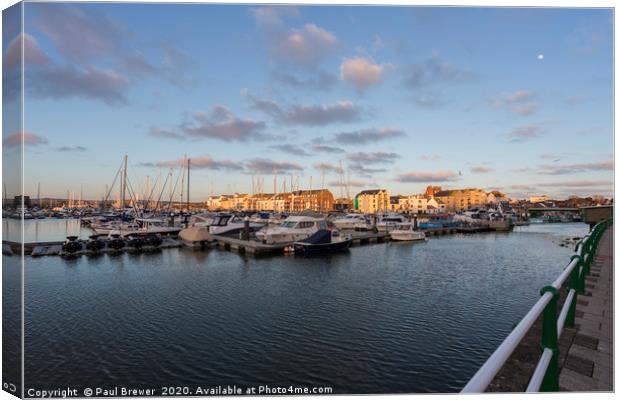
x=372, y=201
x=539, y=199
x=462, y=199
x=315, y=200
x=282, y=202
x=431, y=190
x=343, y=204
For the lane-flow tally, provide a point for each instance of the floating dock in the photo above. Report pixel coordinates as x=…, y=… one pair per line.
x=55, y=248
x=254, y=247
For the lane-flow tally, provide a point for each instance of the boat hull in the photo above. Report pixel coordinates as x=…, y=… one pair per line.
x=407, y=236
x=309, y=249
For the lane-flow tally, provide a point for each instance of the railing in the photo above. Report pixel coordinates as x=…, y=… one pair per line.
x=546, y=375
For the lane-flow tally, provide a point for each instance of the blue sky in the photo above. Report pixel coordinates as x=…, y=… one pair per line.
x=518, y=100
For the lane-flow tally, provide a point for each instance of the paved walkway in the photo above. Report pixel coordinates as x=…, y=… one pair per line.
x=588, y=365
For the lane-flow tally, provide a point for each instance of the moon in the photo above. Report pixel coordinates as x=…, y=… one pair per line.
x=541, y=56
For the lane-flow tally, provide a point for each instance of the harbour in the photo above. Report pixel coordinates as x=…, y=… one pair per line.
x=376, y=311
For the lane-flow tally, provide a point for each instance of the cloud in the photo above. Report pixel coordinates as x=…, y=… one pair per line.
x=574, y=100
x=351, y=183
x=291, y=149
x=305, y=47
x=271, y=17
x=361, y=73
x=523, y=187
x=578, y=184
x=576, y=168
x=433, y=71
x=93, y=59
x=430, y=157
x=368, y=135
x=166, y=134
x=366, y=171
x=200, y=162
x=27, y=138
x=525, y=133
x=551, y=156
x=323, y=80
x=78, y=33
x=311, y=115
x=264, y=166
x=74, y=82
x=326, y=167
x=481, y=169
x=519, y=102
x=221, y=124
x=439, y=176
x=33, y=55
x=429, y=101
x=322, y=148
x=71, y=148
x=379, y=157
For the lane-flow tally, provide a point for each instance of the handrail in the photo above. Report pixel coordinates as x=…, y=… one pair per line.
x=546, y=374
x=491, y=367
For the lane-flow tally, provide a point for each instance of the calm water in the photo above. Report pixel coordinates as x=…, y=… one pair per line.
x=43, y=230
x=389, y=318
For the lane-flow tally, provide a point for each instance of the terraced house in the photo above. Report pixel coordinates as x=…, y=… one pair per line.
x=462, y=199
x=372, y=201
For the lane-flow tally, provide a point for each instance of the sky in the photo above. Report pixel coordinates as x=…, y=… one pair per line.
x=512, y=99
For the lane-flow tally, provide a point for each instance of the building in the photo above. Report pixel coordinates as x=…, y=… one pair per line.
x=462, y=199
x=539, y=199
x=320, y=200
x=17, y=201
x=343, y=204
x=372, y=201
x=431, y=190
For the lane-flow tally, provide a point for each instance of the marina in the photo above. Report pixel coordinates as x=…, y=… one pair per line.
x=387, y=300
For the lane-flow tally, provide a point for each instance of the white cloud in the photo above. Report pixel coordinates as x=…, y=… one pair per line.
x=361, y=73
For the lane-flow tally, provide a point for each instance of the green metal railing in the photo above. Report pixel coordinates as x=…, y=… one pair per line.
x=546, y=375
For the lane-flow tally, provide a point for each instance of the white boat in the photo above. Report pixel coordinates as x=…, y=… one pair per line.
x=387, y=222
x=144, y=226
x=405, y=232
x=352, y=222
x=225, y=223
x=293, y=229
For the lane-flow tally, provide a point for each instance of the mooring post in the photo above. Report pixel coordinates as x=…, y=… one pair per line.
x=246, y=228
x=551, y=381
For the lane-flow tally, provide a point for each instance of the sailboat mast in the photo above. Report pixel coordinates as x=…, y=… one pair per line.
x=124, y=182
x=188, y=166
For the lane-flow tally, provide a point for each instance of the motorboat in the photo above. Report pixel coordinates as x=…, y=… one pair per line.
x=321, y=242
x=266, y=218
x=353, y=222
x=144, y=226
x=292, y=229
x=225, y=223
x=387, y=222
x=405, y=232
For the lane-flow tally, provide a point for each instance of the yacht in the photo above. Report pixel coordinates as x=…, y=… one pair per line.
x=293, y=229
x=225, y=223
x=353, y=222
x=405, y=232
x=387, y=222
